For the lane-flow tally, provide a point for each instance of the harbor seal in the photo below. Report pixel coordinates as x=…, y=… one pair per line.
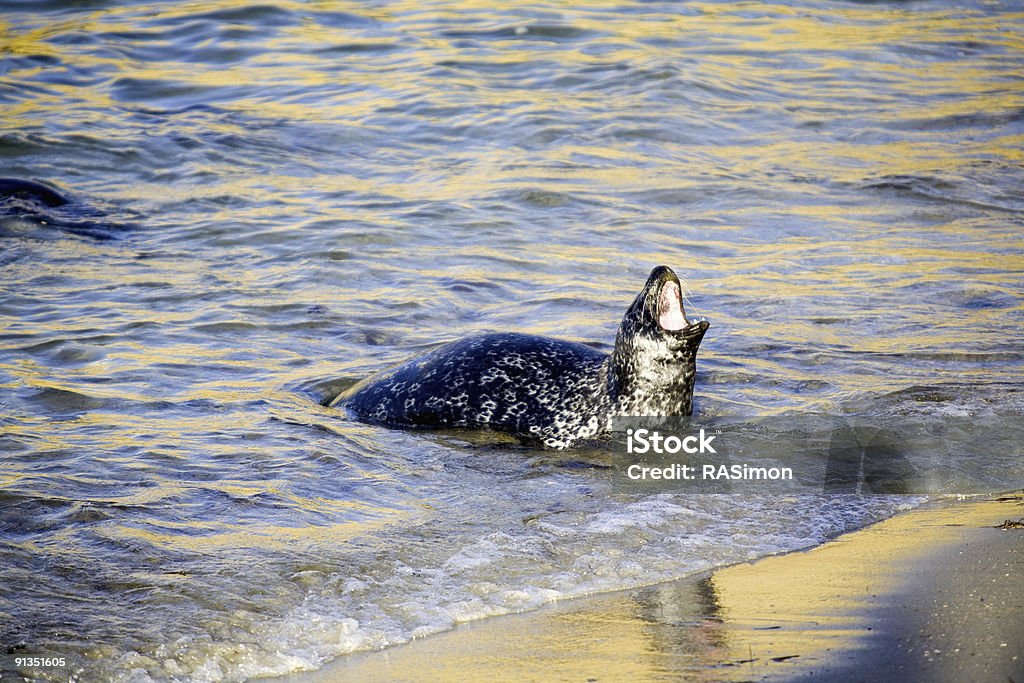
x=542, y=390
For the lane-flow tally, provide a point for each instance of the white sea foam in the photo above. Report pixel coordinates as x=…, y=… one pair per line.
x=521, y=567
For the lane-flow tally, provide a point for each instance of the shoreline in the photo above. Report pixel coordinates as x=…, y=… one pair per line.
x=935, y=593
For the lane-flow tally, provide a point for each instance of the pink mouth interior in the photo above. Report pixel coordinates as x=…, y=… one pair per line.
x=670, y=308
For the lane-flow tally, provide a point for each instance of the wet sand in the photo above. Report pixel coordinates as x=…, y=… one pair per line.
x=934, y=594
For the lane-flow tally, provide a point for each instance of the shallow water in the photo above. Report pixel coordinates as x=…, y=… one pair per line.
x=269, y=201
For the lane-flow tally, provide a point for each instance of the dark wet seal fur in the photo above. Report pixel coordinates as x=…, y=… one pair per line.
x=542, y=390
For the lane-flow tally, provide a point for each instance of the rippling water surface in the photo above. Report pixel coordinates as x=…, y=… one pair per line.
x=268, y=201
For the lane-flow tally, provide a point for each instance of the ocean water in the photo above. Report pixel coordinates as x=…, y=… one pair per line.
x=267, y=202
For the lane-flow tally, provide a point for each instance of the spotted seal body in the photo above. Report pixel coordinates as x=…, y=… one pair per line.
x=544, y=390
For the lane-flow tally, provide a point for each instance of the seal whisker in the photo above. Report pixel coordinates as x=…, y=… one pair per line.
x=686, y=300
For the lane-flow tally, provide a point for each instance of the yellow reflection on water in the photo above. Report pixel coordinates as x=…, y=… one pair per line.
x=204, y=537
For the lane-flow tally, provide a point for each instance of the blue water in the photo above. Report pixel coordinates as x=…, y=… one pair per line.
x=270, y=201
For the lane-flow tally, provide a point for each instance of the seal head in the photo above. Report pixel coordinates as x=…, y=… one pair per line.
x=654, y=365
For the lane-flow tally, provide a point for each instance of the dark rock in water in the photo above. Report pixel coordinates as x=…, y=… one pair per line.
x=31, y=191
x=37, y=209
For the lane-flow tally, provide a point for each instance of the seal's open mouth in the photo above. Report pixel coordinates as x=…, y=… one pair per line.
x=670, y=308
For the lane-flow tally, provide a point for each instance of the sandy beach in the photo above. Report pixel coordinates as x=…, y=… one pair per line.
x=933, y=594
